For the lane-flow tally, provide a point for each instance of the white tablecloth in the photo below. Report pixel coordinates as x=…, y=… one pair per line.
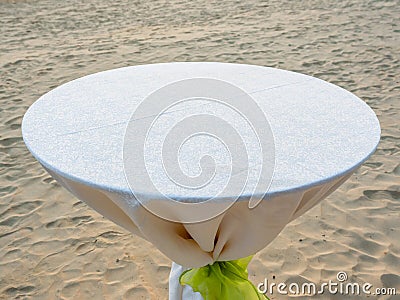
x=322, y=134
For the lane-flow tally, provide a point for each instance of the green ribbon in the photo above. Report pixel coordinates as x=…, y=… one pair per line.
x=222, y=280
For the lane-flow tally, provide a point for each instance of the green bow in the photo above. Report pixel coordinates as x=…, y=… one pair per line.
x=222, y=280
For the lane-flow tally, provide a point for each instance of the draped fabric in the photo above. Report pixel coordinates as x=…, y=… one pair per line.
x=314, y=133
x=236, y=233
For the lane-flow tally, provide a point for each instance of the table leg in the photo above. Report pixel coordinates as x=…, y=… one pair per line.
x=176, y=290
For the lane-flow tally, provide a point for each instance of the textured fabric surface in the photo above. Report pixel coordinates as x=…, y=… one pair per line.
x=322, y=134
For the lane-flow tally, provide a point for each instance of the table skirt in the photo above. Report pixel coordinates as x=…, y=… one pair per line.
x=236, y=233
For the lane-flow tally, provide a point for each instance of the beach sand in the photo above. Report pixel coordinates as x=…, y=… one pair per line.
x=52, y=246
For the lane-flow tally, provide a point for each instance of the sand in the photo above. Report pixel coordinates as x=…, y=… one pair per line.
x=52, y=246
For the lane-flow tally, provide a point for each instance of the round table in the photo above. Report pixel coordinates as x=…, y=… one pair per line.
x=110, y=139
